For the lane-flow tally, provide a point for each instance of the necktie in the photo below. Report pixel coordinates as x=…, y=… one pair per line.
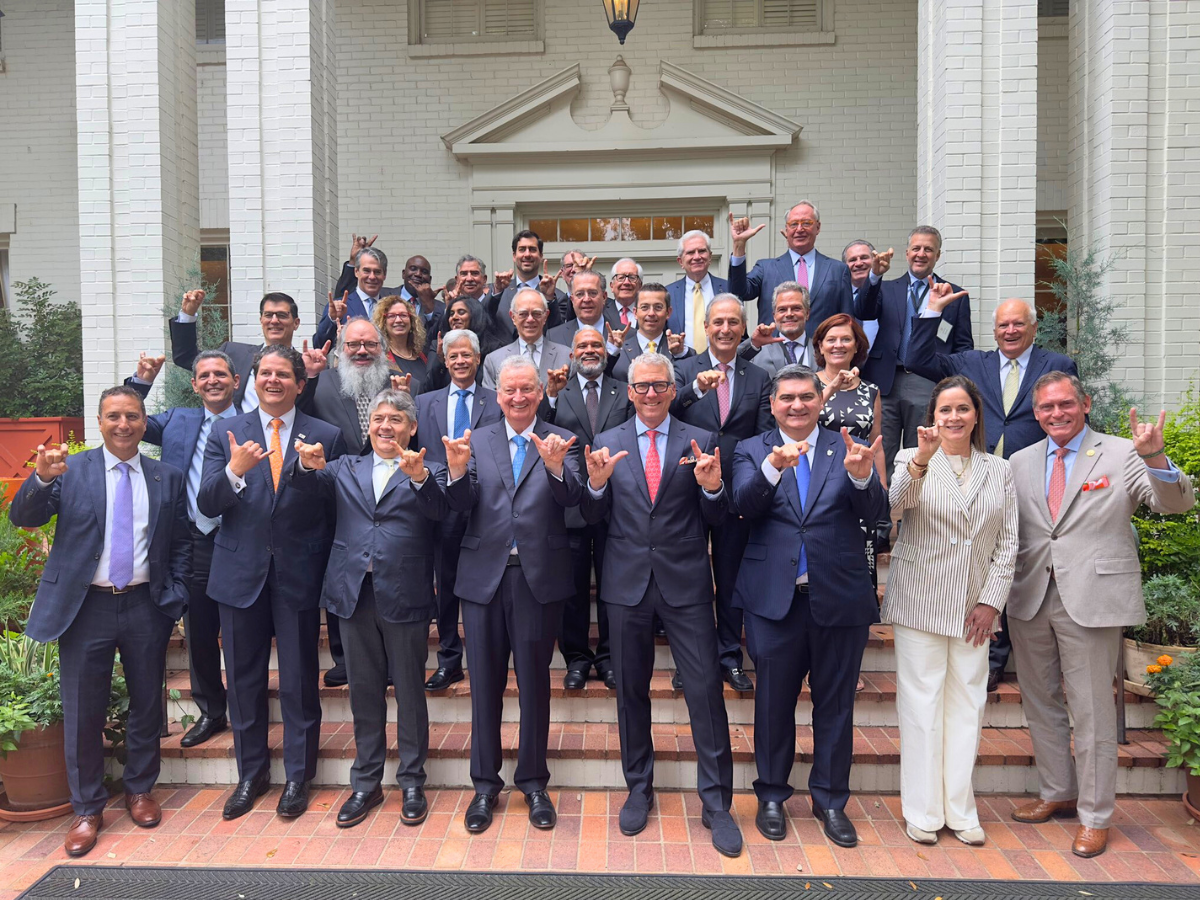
x=624, y=315
x=120, y=559
x=462, y=421
x=651, y=346
x=699, y=338
x=789, y=349
x=802, y=272
x=1011, y=384
x=531, y=352
x=383, y=476
x=1058, y=483
x=916, y=293
x=802, y=479
x=518, y=457
x=204, y=523
x=591, y=399
x=276, y=456
x=653, y=466
x=363, y=404
x=723, y=392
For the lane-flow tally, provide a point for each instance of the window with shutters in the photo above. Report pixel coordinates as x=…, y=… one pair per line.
x=454, y=21
x=763, y=22
x=210, y=21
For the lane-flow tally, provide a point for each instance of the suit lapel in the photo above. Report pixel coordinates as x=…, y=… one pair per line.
x=364, y=474
x=98, y=485
x=991, y=381
x=677, y=449
x=398, y=477
x=441, y=411
x=478, y=405
x=630, y=445
x=822, y=264
x=1081, y=469
x=788, y=482
x=574, y=398
x=1037, y=480
x=531, y=454
x=608, y=397
x=739, y=386
x=821, y=468
x=251, y=430
x=499, y=446
x=192, y=436
x=1037, y=365
x=152, y=474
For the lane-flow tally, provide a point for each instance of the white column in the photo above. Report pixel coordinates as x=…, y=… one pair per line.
x=1134, y=177
x=281, y=107
x=977, y=145
x=139, y=228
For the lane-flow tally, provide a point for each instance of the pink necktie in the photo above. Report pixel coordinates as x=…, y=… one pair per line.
x=1058, y=483
x=653, y=466
x=802, y=272
x=723, y=393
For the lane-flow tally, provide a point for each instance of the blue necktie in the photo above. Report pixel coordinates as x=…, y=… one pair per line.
x=916, y=293
x=195, y=471
x=802, y=478
x=518, y=457
x=120, y=558
x=461, y=420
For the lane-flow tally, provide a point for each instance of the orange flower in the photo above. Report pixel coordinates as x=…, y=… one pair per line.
x=1153, y=670
x=1164, y=660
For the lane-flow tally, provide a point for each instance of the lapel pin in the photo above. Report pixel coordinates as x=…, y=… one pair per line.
x=1091, y=453
x=829, y=453
x=303, y=437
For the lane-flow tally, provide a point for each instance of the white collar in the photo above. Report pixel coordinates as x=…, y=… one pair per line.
x=525, y=434
x=289, y=419
x=111, y=461
x=1023, y=359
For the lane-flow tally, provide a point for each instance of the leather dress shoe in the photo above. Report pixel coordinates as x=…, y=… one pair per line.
x=676, y=681
x=81, y=836
x=1089, y=842
x=203, y=728
x=608, y=676
x=838, y=828
x=294, y=800
x=726, y=836
x=443, y=678
x=415, y=808
x=635, y=814
x=771, y=820
x=737, y=678
x=143, y=809
x=241, y=801
x=660, y=630
x=994, y=676
x=336, y=677
x=1043, y=810
x=541, y=810
x=575, y=679
x=357, y=805
x=479, y=813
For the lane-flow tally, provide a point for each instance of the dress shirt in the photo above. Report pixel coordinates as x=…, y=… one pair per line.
x=583, y=380
x=196, y=469
x=285, y=432
x=728, y=376
x=660, y=343
x=1169, y=475
x=538, y=349
x=1006, y=365
x=810, y=263
x=660, y=443
x=368, y=301
x=452, y=405
x=141, y=520
x=706, y=288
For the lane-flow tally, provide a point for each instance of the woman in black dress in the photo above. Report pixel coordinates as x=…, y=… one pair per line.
x=405, y=333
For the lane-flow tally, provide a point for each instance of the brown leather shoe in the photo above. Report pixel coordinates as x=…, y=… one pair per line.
x=81, y=837
x=143, y=809
x=1043, y=810
x=1089, y=842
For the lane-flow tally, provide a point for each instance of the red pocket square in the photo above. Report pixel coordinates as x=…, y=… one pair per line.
x=1097, y=484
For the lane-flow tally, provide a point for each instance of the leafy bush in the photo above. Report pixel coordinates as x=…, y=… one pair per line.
x=41, y=355
x=29, y=678
x=212, y=330
x=14, y=721
x=1176, y=684
x=1172, y=613
x=22, y=555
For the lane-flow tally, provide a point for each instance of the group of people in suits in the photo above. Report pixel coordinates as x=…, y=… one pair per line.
x=711, y=477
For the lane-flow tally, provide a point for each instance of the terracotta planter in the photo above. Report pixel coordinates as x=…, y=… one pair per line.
x=19, y=439
x=35, y=774
x=1191, y=797
x=1139, y=655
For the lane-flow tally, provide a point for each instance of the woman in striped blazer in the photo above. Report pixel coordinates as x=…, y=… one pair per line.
x=948, y=581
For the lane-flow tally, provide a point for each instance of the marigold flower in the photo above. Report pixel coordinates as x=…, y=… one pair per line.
x=1164, y=660
x=1153, y=670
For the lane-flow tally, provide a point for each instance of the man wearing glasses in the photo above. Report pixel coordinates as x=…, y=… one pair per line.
x=528, y=314
x=624, y=281
x=827, y=279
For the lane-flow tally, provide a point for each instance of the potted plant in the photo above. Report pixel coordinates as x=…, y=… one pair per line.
x=1172, y=628
x=1176, y=684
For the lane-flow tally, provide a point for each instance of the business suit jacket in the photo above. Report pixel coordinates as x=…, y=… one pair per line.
x=1019, y=427
x=323, y=399
x=830, y=293
x=393, y=536
x=1091, y=549
x=185, y=349
x=176, y=430
x=679, y=298
x=498, y=306
x=355, y=306
x=434, y=416
x=554, y=356
x=749, y=405
x=771, y=357
x=565, y=333
x=889, y=304
x=260, y=523
x=618, y=365
x=79, y=498
x=955, y=549
x=529, y=511
x=840, y=589
x=666, y=540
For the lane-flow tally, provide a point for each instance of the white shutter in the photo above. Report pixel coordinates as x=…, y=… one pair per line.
x=508, y=18
x=445, y=20
x=801, y=15
x=798, y=15
x=724, y=14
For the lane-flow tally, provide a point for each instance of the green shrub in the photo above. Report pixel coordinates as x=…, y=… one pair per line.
x=1172, y=612
x=22, y=556
x=41, y=355
x=1177, y=692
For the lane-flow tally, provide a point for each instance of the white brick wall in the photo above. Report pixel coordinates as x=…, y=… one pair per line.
x=214, y=147
x=1053, y=114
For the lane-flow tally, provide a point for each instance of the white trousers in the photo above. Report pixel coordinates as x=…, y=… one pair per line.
x=941, y=689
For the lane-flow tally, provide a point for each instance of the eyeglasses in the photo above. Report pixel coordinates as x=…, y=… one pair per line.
x=627, y=278
x=643, y=387
x=395, y=317
x=530, y=313
x=355, y=346
x=801, y=223
x=276, y=316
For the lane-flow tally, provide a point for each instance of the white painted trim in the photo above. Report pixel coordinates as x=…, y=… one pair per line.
x=477, y=48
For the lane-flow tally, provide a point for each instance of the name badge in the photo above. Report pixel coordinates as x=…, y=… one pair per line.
x=944, y=330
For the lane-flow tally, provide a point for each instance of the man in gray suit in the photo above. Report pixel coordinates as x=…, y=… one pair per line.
x=1078, y=583
x=792, y=346
x=528, y=314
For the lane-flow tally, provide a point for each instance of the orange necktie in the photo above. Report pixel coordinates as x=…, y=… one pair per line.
x=1058, y=483
x=276, y=452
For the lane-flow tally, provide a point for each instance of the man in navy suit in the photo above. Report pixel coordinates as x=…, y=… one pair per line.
x=827, y=279
x=416, y=286
x=379, y=583
x=807, y=593
x=116, y=580
x=722, y=392
x=269, y=559
x=528, y=271
x=650, y=334
x=449, y=413
x=370, y=270
x=659, y=511
x=514, y=575
x=692, y=293
x=897, y=304
x=591, y=308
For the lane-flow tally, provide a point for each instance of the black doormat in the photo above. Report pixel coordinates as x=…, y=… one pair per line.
x=152, y=883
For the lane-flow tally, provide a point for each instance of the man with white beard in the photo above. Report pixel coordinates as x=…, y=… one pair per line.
x=342, y=395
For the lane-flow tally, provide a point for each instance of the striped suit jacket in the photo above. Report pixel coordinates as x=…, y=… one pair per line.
x=956, y=548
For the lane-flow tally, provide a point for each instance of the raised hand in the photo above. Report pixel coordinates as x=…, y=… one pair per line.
x=549, y=282
x=585, y=265
x=427, y=296
x=1148, y=439
x=244, y=457
x=412, y=464
x=740, y=232
x=707, y=469
x=51, y=461
x=458, y=454
x=358, y=243
x=402, y=382
x=600, y=465
x=191, y=302
x=148, y=367
x=942, y=294
x=845, y=380
x=315, y=361
x=860, y=458
x=675, y=342
x=928, y=441
x=501, y=281
x=763, y=335
x=979, y=624
x=556, y=380
x=788, y=455
x=709, y=380
x=553, y=450
x=440, y=352
x=616, y=338
x=337, y=308
x=455, y=290
x=881, y=262
x=312, y=456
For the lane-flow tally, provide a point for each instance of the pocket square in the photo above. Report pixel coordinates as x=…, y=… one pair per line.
x=1096, y=484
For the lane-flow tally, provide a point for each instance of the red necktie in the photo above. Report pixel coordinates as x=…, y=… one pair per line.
x=1058, y=483
x=802, y=272
x=625, y=315
x=653, y=465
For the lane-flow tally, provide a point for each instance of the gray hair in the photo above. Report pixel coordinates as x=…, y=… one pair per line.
x=212, y=354
x=466, y=258
x=512, y=363
x=401, y=401
x=455, y=335
x=929, y=230
x=378, y=255
x=794, y=373
x=575, y=252
x=599, y=276
x=722, y=298
x=1030, y=312
x=612, y=273
x=794, y=287
x=341, y=338
x=652, y=359
x=528, y=290
x=855, y=243
x=810, y=205
x=687, y=236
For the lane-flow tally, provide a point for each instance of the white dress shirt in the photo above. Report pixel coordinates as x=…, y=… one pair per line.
x=141, y=520
x=285, y=433
x=689, y=312
x=1006, y=364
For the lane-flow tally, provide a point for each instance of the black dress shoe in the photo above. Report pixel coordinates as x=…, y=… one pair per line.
x=771, y=821
x=443, y=678
x=994, y=676
x=415, y=808
x=737, y=678
x=357, y=805
x=241, y=801
x=676, y=681
x=336, y=677
x=575, y=679
x=660, y=630
x=204, y=728
x=608, y=676
x=479, y=813
x=294, y=800
x=726, y=836
x=635, y=814
x=541, y=810
x=838, y=828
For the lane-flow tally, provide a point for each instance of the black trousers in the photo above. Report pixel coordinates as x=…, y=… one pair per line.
x=728, y=544
x=246, y=638
x=513, y=622
x=693, y=638
x=903, y=411
x=445, y=561
x=587, y=550
x=784, y=652
x=202, y=631
x=1001, y=647
x=108, y=623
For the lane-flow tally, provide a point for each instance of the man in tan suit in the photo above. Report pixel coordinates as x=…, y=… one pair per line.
x=1078, y=583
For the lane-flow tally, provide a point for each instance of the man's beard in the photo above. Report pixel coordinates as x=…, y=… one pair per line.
x=364, y=381
x=590, y=370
